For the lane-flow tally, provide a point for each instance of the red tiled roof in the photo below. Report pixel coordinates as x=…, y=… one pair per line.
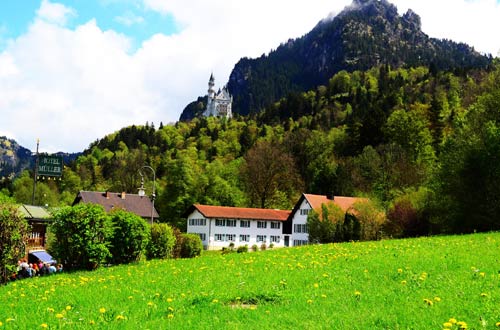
x=345, y=203
x=140, y=205
x=225, y=212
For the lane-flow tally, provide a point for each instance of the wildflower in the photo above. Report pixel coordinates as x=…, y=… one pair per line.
x=462, y=325
x=68, y=308
x=1, y=324
x=437, y=299
x=50, y=310
x=102, y=310
x=403, y=282
x=400, y=270
x=169, y=300
x=130, y=297
x=215, y=301
x=59, y=316
x=497, y=324
x=428, y=302
x=92, y=322
x=316, y=285
x=44, y=325
x=447, y=324
x=309, y=301
x=120, y=317
x=357, y=293
x=484, y=295
x=323, y=296
x=482, y=274
x=453, y=320
x=170, y=316
x=150, y=304
x=170, y=308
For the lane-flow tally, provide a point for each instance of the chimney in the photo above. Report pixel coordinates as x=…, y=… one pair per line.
x=106, y=194
x=330, y=196
x=123, y=195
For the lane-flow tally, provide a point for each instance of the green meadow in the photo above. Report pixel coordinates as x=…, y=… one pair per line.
x=448, y=282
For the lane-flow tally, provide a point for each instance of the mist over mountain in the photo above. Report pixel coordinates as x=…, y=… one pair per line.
x=365, y=34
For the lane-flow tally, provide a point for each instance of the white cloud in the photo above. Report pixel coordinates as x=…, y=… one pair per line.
x=55, y=12
x=71, y=87
x=129, y=19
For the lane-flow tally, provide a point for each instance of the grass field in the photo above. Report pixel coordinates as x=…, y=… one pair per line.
x=426, y=283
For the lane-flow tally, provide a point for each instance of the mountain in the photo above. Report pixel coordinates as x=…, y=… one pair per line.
x=13, y=158
x=365, y=34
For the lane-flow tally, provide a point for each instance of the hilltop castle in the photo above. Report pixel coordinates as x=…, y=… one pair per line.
x=218, y=105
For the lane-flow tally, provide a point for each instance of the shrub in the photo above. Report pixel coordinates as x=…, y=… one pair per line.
x=191, y=246
x=81, y=236
x=326, y=224
x=263, y=246
x=242, y=249
x=255, y=248
x=131, y=235
x=371, y=218
x=162, y=241
x=271, y=245
x=13, y=232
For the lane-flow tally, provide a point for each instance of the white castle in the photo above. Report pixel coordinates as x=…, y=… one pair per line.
x=218, y=105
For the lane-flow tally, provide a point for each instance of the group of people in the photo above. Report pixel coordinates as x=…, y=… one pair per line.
x=26, y=270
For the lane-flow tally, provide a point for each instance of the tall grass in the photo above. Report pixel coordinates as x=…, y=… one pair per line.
x=425, y=283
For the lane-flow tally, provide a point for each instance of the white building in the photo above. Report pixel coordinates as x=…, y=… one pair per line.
x=219, y=226
x=218, y=104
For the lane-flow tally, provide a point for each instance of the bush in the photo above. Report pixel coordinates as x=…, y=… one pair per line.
x=191, y=246
x=13, y=233
x=263, y=246
x=162, y=243
x=371, y=218
x=131, y=235
x=81, y=236
x=255, y=248
x=326, y=224
x=242, y=249
x=271, y=245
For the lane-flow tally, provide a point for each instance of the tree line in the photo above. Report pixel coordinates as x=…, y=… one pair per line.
x=421, y=142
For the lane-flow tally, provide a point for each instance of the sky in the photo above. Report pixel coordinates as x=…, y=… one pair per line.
x=73, y=71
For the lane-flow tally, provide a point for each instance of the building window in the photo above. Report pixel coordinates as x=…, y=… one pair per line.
x=261, y=238
x=220, y=222
x=230, y=237
x=245, y=223
x=299, y=242
x=304, y=211
x=275, y=239
x=231, y=223
x=261, y=224
x=300, y=228
x=219, y=237
x=275, y=225
x=203, y=236
x=244, y=238
x=198, y=222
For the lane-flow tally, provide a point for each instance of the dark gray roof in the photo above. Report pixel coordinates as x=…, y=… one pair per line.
x=140, y=205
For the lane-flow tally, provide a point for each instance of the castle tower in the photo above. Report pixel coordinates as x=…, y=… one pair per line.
x=218, y=104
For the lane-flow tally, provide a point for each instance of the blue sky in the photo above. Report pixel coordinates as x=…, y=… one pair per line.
x=129, y=17
x=82, y=69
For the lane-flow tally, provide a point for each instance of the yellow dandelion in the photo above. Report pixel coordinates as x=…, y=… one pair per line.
x=482, y=274
x=428, y=302
x=130, y=297
x=309, y=301
x=403, y=282
x=120, y=317
x=170, y=316
x=68, y=308
x=253, y=307
x=44, y=325
x=400, y=270
x=323, y=296
x=50, y=310
x=1, y=324
x=102, y=310
x=447, y=324
x=484, y=295
x=452, y=320
x=150, y=304
x=170, y=308
x=316, y=285
x=357, y=293
x=497, y=324
x=437, y=299
x=169, y=300
x=157, y=294
x=59, y=316
x=462, y=325
x=215, y=301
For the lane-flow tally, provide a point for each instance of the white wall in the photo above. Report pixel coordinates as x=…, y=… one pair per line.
x=213, y=232
x=299, y=238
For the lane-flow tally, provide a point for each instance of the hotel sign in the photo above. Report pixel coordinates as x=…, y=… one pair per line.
x=50, y=165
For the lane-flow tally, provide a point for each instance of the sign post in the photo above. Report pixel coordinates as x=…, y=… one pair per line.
x=46, y=165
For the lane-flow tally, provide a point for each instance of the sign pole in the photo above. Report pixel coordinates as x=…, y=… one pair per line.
x=35, y=173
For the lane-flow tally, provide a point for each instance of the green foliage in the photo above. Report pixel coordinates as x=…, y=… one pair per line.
x=81, y=236
x=242, y=249
x=191, y=245
x=162, y=241
x=371, y=218
x=326, y=225
x=13, y=233
x=131, y=236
